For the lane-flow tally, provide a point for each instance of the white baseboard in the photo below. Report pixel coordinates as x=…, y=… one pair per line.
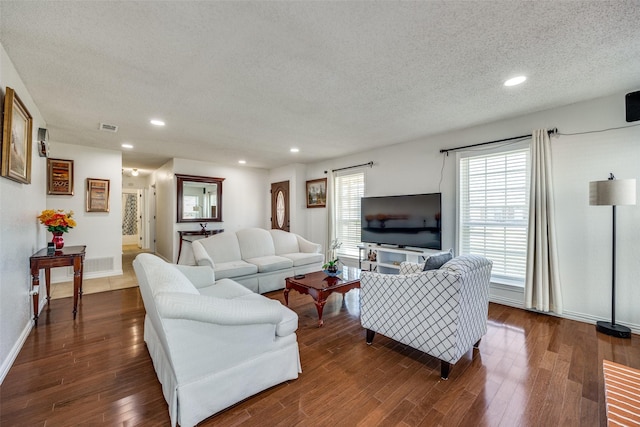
x=7, y=363
x=98, y=274
x=500, y=295
x=506, y=301
x=86, y=275
x=587, y=318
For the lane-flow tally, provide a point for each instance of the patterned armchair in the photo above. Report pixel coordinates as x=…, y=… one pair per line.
x=440, y=312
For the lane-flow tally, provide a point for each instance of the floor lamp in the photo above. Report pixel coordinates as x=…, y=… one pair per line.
x=613, y=192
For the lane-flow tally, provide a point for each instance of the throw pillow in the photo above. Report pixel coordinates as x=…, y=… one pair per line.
x=436, y=261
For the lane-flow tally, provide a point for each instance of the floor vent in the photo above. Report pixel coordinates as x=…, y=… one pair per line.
x=93, y=265
x=108, y=128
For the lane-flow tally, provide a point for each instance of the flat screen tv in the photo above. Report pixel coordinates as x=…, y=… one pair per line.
x=405, y=221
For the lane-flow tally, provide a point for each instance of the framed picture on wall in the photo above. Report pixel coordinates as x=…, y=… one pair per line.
x=16, y=139
x=60, y=177
x=97, y=195
x=317, y=193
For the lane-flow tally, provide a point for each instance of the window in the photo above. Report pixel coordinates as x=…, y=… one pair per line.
x=349, y=189
x=494, y=210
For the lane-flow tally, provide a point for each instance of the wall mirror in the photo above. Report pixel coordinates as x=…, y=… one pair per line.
x=199, y=198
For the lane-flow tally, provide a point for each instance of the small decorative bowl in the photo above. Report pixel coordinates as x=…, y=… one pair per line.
x=331, y=274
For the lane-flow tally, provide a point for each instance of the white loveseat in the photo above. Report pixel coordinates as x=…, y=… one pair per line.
x=213, y=343
x=441, y=312
x=258, y=259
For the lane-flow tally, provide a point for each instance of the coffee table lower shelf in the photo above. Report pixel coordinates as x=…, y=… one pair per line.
x=319, y=286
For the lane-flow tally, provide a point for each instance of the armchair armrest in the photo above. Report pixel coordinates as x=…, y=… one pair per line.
x=201, y=255
x=308, y=247
x=200, y=276
x=411, y=267
x=202, y=308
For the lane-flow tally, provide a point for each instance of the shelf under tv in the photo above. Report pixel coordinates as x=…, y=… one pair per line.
x=388, y=259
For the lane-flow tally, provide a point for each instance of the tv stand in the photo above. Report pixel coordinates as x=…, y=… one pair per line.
x=388, y=259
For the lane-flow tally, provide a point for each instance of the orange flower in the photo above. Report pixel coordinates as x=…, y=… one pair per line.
x=57, y=220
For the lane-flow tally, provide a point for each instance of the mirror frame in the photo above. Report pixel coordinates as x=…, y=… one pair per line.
x=181, y=179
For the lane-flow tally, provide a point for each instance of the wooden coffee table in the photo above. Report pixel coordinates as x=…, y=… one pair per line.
x=320, y=286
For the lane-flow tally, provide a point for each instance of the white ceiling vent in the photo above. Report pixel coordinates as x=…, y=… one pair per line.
x=108, y=128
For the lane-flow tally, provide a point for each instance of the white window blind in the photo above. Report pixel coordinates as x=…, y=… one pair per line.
x=494, y=210
x=349, y=189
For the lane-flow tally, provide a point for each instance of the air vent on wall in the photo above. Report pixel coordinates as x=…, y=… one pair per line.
x=93, y=265
x=108, y=128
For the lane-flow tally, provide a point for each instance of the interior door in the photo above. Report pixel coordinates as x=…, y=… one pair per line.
x=280, y=205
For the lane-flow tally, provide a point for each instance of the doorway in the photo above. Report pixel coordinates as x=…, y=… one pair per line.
x=131, y=233
x=280, y=205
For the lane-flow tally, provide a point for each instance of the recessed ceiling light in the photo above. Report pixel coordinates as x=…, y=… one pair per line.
x=242, y=162
x=134, y=172
x=129, y=146
x=295, y=150
x=156, y=122
x=515, y=81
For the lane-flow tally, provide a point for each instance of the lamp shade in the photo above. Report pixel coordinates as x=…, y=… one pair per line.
x=612, y=192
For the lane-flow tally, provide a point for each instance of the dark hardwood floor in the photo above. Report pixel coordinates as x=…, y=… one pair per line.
x=531, y=370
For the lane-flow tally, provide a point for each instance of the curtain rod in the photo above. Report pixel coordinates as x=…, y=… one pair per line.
x=370, y=164
x=551, y=132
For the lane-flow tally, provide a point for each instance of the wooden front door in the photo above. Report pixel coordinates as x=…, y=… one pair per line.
x=280, y=205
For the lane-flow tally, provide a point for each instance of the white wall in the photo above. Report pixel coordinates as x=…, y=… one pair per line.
x=584, y=232
x=101, y=232
x=410, y=168
x=296, y=174
x=245, y=202
x=135, y=182
x=163, y=179
x=21, y=235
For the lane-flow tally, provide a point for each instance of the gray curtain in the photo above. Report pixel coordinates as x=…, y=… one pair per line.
x=129, y=213
x=542, y=284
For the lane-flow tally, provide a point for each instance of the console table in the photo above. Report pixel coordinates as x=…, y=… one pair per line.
x=65, y=257
x=183, y=234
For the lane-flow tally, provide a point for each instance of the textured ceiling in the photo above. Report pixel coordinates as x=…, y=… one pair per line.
x=251, y=79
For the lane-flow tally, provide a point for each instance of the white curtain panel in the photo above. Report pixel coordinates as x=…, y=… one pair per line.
x=542, y=284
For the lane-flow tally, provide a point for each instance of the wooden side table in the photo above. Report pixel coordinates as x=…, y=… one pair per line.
x=65, y=257
x=183, y=234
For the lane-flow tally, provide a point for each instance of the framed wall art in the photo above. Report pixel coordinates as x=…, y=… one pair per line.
x=60, y=177
x=16, y=139
x=317, y=193
x=97, y=195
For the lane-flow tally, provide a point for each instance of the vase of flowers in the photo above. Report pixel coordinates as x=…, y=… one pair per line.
x=57, y=222
x=331, y=267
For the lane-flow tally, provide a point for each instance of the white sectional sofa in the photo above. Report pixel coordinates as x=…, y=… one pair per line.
x=213, y=343
x=258, y=259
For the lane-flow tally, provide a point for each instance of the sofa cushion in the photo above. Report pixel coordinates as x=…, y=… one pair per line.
x=270, y=263
x=300, y=258
x=255, y=243
x=234, y=269
x=222, y=247
x=164, y=277
x=226, y=289
x=284, y=242
x=436, y=261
